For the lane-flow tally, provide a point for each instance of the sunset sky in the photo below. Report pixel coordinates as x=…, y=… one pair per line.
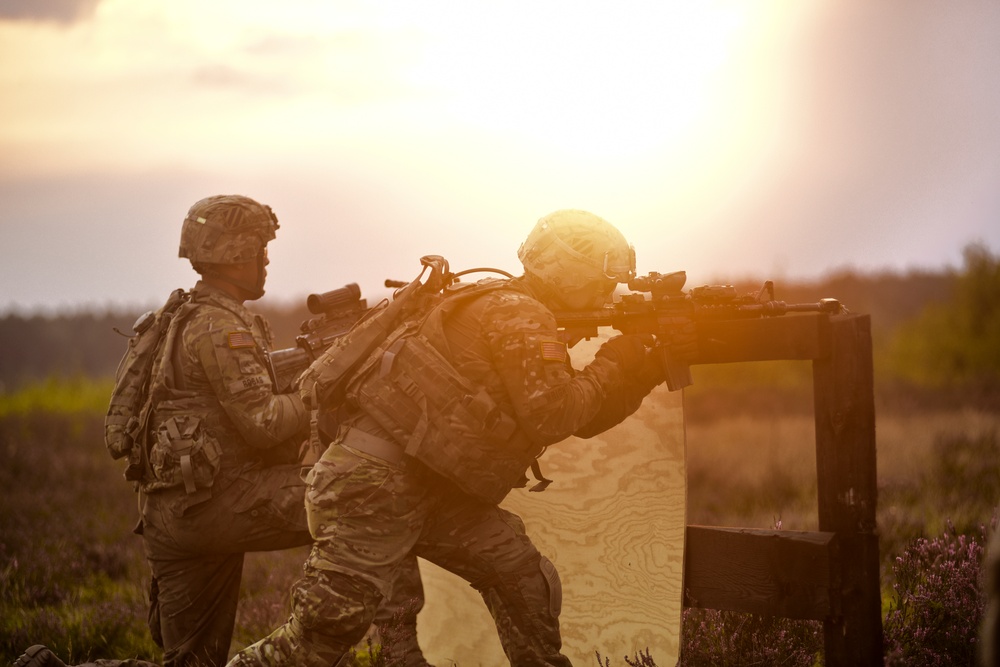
x=773, y=139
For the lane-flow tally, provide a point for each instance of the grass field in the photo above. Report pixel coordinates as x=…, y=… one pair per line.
x=72, y=575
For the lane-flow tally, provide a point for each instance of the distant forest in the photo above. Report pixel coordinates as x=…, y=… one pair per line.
x=34, y=348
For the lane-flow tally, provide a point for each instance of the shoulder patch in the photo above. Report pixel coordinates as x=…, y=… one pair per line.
x=553, y=350
x=238, y=339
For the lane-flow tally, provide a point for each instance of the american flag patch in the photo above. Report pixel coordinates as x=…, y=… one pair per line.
x=553, y=350
x=239, y=339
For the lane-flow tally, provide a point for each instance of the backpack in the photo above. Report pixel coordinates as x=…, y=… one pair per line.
x=390, y=365
x=327, y=376
x=437, y=415
x=126, y=422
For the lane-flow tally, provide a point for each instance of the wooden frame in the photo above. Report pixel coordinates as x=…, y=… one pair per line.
x=833, y=574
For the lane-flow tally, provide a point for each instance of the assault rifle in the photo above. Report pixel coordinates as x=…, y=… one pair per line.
x=335, y=313
x=658, y=305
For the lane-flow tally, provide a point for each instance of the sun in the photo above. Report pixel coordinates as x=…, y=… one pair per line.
x=595, y=79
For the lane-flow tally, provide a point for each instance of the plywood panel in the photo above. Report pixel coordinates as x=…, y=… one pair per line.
x=613, y=522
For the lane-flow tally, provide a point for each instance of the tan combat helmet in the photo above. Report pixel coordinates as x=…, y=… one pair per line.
x=226, y=229
x=578, y=257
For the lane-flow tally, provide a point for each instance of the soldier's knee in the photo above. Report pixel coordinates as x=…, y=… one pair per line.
x=554, y=585
x=540, y=587
x=335, y=605
x=531, y=584
x=525, y=604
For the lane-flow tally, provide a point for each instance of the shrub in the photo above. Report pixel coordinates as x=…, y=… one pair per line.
x=58, y=395
x=957, y=341
x=710, y=638
x=67, y=577
x=938, y=602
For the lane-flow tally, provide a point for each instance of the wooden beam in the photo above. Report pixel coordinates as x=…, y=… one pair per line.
x=786, y=573
x=765, y=339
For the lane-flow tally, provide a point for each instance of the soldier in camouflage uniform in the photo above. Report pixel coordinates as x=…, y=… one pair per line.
x=223, y=476
x=370, y=505
x=245, y=491
x=211, y=492
x=207, y=492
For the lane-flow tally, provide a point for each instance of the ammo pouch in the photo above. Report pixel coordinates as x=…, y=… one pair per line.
x=443, y=420
x=183, y=454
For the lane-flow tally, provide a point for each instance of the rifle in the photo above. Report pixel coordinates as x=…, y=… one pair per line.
x=335, y=313
x=658, y=305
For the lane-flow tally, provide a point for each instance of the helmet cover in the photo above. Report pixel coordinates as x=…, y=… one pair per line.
x=570, y=250
x=226, y=229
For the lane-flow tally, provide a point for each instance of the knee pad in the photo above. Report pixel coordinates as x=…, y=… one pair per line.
x=533, y=584
x=551, y=577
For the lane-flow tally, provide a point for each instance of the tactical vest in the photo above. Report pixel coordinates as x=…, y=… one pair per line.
x=452, y=425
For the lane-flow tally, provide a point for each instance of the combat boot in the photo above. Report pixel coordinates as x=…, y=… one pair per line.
x=38, y=656
x=398, y=644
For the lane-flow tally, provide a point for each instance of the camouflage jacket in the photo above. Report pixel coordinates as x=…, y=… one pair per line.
x=505, y=341
x=508, y=341
x=213, y=399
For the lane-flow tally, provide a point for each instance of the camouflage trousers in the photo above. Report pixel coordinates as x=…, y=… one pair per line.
x=367, y=517
x=195, y=552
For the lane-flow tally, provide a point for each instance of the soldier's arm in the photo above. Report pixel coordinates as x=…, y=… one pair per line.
x=624, y=401
x=235, y=367
x=552, y=401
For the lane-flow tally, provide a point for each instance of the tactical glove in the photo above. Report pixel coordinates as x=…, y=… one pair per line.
x=628, y=351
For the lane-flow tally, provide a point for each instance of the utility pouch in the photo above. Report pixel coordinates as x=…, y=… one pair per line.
x=184, y=454
x=445, y=421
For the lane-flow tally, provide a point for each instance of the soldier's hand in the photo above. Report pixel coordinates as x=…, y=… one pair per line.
x=628, y=351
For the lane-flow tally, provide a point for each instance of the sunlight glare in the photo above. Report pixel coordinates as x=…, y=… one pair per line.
x=613, y=81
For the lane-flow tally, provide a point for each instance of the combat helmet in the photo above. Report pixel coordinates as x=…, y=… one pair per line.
x=578, y=256
x=226, y=229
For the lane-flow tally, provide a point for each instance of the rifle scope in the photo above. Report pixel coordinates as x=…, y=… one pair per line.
x=335, y=298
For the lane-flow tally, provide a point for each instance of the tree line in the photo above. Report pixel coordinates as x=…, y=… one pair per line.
x=929, y=327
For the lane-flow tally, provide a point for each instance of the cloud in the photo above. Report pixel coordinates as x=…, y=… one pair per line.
x=56, y=11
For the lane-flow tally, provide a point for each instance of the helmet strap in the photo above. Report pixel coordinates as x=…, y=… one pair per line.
x=541, y=291
x=248, y=291
x=560, y=299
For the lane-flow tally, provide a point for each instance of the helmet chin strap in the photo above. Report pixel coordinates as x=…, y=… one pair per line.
x=544, y=293
x=256, y=290
x=583, y=298
x=253, y=291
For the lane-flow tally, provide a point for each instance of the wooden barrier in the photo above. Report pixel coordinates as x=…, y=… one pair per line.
x=833, y=574
x=614, y=522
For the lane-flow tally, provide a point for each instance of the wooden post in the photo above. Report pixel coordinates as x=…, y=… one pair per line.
x=832, y=574
x=847, y=490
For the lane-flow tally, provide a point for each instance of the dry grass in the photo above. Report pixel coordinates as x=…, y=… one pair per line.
x=932, y=468
x=73, y=576
x=751, y=472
